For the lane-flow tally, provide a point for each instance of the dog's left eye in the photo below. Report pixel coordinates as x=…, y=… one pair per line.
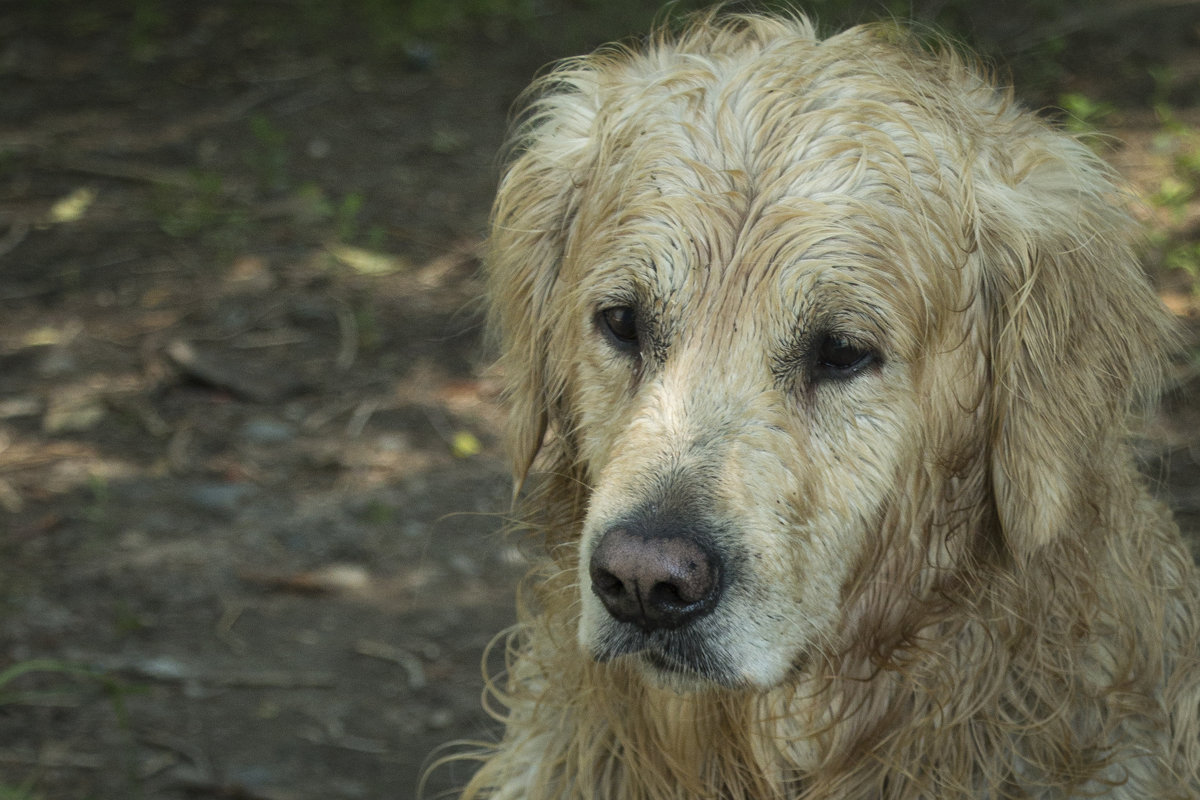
x=841, y=357
x=621, y=323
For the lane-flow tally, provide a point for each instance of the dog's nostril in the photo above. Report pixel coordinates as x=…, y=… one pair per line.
x=667, y=594
x=606, y=583
x=654, y=582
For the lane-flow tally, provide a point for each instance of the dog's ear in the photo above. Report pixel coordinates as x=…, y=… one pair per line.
x=1077, y=338
x=530, y=225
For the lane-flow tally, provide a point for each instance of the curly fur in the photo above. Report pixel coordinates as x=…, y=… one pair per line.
x=953, y=581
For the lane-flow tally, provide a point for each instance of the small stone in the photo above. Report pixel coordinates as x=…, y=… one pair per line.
x=319, y=147
x=440, y=719
x=223, y=498
x=267, y=431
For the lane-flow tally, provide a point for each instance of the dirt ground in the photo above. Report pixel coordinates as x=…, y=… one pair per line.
x=250, y=484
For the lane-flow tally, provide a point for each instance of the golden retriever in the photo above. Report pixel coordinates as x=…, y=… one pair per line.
x=822, y=357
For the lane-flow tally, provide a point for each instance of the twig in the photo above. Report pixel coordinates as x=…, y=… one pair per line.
x=347, y=336
x=52, y=760
x=355, y=744
x=360, y=417
x=440, y=424
x=276, y=338
x=213, y=373
x=386, y=652
x=178, y=446
x=322, y=416
x=273, y=679
x=17, y=232
x=129, y=171
x=230, y=614
x=179, y=746
x=168, y=670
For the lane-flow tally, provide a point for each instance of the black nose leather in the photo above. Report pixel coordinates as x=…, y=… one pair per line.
x=655, y=581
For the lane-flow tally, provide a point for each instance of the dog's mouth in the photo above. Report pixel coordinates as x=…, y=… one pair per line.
x=679, y=656
x=665, y=664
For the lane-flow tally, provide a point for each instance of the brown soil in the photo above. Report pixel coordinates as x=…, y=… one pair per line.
x=250, y=484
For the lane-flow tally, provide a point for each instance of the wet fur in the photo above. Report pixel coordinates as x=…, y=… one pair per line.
x=951, y=581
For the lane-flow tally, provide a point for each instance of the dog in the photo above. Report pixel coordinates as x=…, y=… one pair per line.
x=823, y=358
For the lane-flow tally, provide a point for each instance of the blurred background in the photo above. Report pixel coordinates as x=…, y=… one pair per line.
x=250, y=488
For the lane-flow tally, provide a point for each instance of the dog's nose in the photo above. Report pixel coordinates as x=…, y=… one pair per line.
x=654, y=582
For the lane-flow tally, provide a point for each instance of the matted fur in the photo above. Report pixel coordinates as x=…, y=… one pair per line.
x=947, y=577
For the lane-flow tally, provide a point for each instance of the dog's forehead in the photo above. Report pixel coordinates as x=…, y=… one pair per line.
x=780, y=264
x=787, y=118
x=828, y=188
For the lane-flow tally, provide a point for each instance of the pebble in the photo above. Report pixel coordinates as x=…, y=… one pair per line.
x=26, y=406
x=465, y=565
x=57, y=362
x=267, y=431
x=223, y=498
x=440, y=719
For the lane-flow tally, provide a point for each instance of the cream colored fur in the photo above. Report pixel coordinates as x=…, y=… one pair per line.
x=951, y=581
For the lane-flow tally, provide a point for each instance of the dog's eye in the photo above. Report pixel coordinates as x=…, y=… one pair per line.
x=621, y=323
x=841, y=357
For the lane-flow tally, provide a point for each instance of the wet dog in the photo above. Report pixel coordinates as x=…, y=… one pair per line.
x=822, y=356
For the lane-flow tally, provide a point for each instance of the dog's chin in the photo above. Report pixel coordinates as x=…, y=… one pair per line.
x=684, y=662
x=661, y=671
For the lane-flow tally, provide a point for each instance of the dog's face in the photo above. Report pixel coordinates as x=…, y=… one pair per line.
x=745, y=387
x=744, y=339
x=745, y=327
x=773, y=297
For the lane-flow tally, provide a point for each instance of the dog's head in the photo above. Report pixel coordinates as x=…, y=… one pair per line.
x=811, y=322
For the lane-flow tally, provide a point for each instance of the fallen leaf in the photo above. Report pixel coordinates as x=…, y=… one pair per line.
x=73, y=206
x=72, y=412
x=368, y=262
x=465, y=444
x=333, y=578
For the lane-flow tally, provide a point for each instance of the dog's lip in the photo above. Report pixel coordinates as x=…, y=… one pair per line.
x=663, y=662
x=662, y=654
x=635, y=642
x=689, y=660
x=624, y=646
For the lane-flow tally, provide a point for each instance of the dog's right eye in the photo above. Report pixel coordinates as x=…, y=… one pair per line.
x=840, y=357
x=621, y=324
